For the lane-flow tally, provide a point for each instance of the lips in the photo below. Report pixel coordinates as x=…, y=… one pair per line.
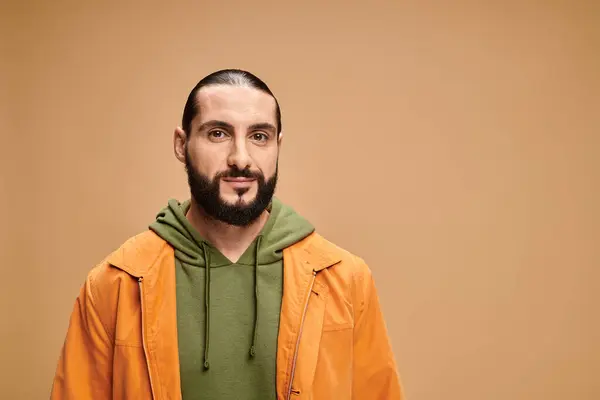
x=240, y=180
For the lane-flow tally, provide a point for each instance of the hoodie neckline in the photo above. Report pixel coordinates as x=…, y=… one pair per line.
x=283, y=228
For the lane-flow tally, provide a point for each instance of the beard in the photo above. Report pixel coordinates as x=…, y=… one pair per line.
x=206, y=192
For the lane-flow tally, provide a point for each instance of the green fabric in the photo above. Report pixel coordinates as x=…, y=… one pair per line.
x=228, y=350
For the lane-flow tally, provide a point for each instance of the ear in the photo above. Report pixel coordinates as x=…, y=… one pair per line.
x=279, y=138
x=179, y=144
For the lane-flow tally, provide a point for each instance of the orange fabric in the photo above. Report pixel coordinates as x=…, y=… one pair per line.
x=122, y=336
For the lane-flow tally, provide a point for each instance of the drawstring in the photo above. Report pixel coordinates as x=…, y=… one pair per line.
x=253, y=347
x=206, y=305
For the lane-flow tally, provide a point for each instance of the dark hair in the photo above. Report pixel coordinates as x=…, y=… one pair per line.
x=233, y=77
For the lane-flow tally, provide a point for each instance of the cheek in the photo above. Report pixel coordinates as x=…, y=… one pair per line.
x=267, y=163
x=208, y=161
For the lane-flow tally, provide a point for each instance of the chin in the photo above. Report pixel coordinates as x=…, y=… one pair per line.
x=236, y=200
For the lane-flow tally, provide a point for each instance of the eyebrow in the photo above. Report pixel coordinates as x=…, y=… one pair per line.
x=264, y=126
x=215, y=124
x=226, y=125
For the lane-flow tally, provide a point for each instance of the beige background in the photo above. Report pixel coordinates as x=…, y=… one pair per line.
x=453, y=146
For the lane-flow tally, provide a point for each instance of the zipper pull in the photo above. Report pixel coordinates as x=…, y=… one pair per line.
x=295, y=392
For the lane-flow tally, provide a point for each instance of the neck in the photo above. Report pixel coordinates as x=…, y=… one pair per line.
x=232, y=241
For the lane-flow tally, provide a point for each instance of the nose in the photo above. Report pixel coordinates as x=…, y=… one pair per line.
x=238, y=156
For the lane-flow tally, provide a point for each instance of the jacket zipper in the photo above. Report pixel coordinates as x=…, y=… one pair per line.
x=312, y=282
x=144, y=344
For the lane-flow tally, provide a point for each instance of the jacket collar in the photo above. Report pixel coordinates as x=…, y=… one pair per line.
x=138, y=256
x=316, y=253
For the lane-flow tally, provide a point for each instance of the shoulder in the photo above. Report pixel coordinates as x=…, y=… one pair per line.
x=339, y=264
x=328, y=249
x=348, y=277
x=134, y=257
x=124, y=266
x=115, y=278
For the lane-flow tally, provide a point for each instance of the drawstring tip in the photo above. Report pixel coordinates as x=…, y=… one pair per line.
x=206, y=365
x=252, y=351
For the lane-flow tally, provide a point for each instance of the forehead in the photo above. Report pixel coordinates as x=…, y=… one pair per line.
x=235, y=104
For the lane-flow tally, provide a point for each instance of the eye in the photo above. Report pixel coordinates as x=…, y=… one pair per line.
x=259, y=137
x=217, y=134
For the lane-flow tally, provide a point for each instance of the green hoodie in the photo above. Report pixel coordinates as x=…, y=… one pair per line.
x=228, y=313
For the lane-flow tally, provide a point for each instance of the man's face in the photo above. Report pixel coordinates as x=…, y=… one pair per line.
x=231, y=153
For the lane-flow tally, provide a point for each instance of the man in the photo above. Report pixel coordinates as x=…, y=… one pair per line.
x=231, y=294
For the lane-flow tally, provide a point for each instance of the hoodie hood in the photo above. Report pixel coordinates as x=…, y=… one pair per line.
x=283, y=228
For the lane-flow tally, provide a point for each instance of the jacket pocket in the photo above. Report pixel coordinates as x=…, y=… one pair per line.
x=333, y=376
x=338, y=327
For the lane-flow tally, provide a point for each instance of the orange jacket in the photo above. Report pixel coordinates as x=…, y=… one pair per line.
x=122, y=336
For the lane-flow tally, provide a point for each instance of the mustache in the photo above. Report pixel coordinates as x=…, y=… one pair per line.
x=239, y=173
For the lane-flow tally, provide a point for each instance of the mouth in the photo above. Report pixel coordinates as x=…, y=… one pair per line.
x=239, y=181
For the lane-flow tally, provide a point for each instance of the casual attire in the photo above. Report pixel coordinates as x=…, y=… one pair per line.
x=167, y=316
x=240, y=303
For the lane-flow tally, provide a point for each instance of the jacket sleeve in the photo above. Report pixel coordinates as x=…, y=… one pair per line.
x=84, y=368
x=375, y=374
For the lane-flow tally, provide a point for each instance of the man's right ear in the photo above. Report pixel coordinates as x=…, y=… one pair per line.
x=179, y=143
